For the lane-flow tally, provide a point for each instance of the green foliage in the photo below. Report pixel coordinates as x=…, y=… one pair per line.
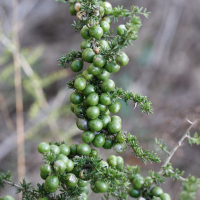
x=162, y=145
x=158, y=179
x=194, y=140
x=6, y=177
x=126, y=96
x=169, y=171
x=145, y=155
x=67, y=58
x=120, y=12
x=189, y=188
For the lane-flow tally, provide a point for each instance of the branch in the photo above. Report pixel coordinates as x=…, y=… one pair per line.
x=179, y=143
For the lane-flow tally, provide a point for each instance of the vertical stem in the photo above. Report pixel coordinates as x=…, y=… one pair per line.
x=18, y=94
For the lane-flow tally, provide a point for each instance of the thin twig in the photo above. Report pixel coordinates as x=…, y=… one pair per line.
x=34, y=81
x=19, y=95
x=179, y=143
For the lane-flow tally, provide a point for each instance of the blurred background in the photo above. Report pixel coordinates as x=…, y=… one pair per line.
x=164, y=65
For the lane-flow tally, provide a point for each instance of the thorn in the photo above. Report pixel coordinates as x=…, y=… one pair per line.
x=135, y=105
x=189, y=120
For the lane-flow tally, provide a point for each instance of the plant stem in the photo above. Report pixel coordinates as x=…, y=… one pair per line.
x=179, y=143
x=19, y=95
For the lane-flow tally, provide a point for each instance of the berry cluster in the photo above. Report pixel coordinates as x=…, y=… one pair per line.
x=141, y=185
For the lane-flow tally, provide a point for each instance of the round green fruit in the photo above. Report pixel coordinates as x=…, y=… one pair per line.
x=96, y=32
x=101, y=11
x=54, y=149
x=72, y=10
x=76, y=65
x=103, y=76
x=114, y=107
x=103, y=164
x=79, y=110
x=73, y=149
x=99, y=140
x=43, y=147
x=101, y=186
x=69, y=166
x=87, y=75
x=138, y=182
x=112, y=67
x=64, y=149
x=59, y=166
x=104, y=45
x=121, y=29
x=148, y=181
x=82, y=183
x=85, y=44
x=112, y=160
x=8, y=197
x=133, y=192
x=131, y=177
x=122, y=59
x=92, y=69
x=120, y=160
x=70, y=180
x=105, y=26
x=82, y=124
x=43, y=176
x=83, y=174
x=156, y=191
x=114, y=127
x=78, y=75
x=102, y=108
x=46, y=169
x=93, y=188
x=80, y=83
x=63, y=158
x=51, y=183
x=94, y=153
x=107, y=19
x=76, y=98
x=107, y=85
x=88, y=55
x=165, y=196
x=87, y=136
x=116, y=118
x=107, y=7
x=92, y=99
x=99, y=61
x=119, y=147
x=105, y=119
x=83, y=196
x=108, y=143
x=83, y=149
x=88, y=89
x=105, y=99
x=120, y=137
x=85, y=32
x=92, y=112
x=95, y=124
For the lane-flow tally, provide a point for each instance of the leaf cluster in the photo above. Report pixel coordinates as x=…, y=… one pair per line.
x=189, y=188
x=145, y=155
x=169, y=171
x=6, y=177
x=65, y=59
x=194, y=140
x=145, y=105
x=162, y=145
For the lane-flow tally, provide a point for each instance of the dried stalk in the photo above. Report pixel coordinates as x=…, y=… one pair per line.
x=19, y=95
